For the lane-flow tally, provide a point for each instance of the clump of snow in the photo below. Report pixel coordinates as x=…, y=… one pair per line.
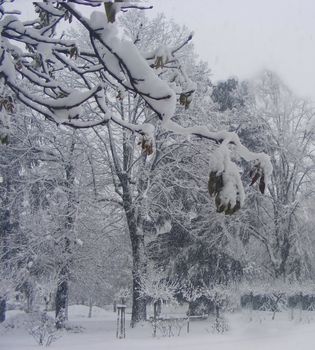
x=62, y=115
x=163, y=53
x=117, y=53
x=7, y=66
x=232, y=191
x=45, y=50
x=148, y=129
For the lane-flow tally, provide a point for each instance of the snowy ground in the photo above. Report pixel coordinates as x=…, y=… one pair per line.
x=99, y=334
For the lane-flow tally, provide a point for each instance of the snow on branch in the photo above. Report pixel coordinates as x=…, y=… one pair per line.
x=123, y=61
x=34, y=62
x=225, y=183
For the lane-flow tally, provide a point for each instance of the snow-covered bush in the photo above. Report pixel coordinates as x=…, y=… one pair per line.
x=42, y=328
x=223, y=299
x=39, y=325
x=277, y=296
x=219, y=324
x=168, y=327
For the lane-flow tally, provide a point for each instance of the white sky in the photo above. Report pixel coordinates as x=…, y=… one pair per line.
x=241, y=37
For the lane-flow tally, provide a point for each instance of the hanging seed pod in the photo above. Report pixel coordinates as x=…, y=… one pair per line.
x=159, y=63
x=221, y=209
x=231, y=210
x=120, y=96
x=182, y=99
x=146, y=145
x=215, y=183
x=110, y=11
x=212, y=184
x=185, y=99
x=37, y=61
x=74, y=52
x=254, y=179
x=66, y=15
x=226, y=208
x=220, y=206
x=262, y=185
x=188, y=101
x=7, y=104
x=4, y=139
x=258, y=174
x=18, y=65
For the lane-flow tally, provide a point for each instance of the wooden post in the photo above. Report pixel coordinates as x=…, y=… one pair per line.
x=292, y=313
x=217, y=312
x=155, y=305
x=90, y=307
x=121, y=321
x=300, y=305
x=251, y=306
x=2, y=309
x=117, y=326
x=114, y=305
x=188, y=321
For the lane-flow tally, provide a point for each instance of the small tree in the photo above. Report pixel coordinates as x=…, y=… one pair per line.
x=220, y=296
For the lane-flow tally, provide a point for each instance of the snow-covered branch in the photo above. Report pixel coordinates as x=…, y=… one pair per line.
x=115, y=61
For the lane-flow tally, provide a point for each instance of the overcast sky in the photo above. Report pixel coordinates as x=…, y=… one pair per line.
x=241, y=37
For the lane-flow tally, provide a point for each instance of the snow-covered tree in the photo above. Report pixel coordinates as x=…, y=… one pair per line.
x=284, y=125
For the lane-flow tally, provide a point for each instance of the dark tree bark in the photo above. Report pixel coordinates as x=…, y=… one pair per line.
x=122, y=166
x=90, y=307
x=285, y=248
x=138, y=301
x=29, y=294
x=5, y=230
x=61, y=302
x=138, y=255
x=2, y=309
x=62, y=294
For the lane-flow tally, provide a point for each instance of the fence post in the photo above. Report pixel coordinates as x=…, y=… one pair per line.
x=121, y=321
x=188, y=321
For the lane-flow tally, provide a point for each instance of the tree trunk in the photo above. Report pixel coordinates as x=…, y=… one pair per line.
x=115, y=306
x=134, y=222
x=29, y=293
x=61, y=303
x=5, y=231
x=62, y=293
x=90, y=308
x=2, y=309
x=139, y=268
x=280, y=271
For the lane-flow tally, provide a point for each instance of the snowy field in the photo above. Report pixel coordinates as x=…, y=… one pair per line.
x=98, y=333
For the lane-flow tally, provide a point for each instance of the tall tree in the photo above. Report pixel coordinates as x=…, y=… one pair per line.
x=283, y=124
